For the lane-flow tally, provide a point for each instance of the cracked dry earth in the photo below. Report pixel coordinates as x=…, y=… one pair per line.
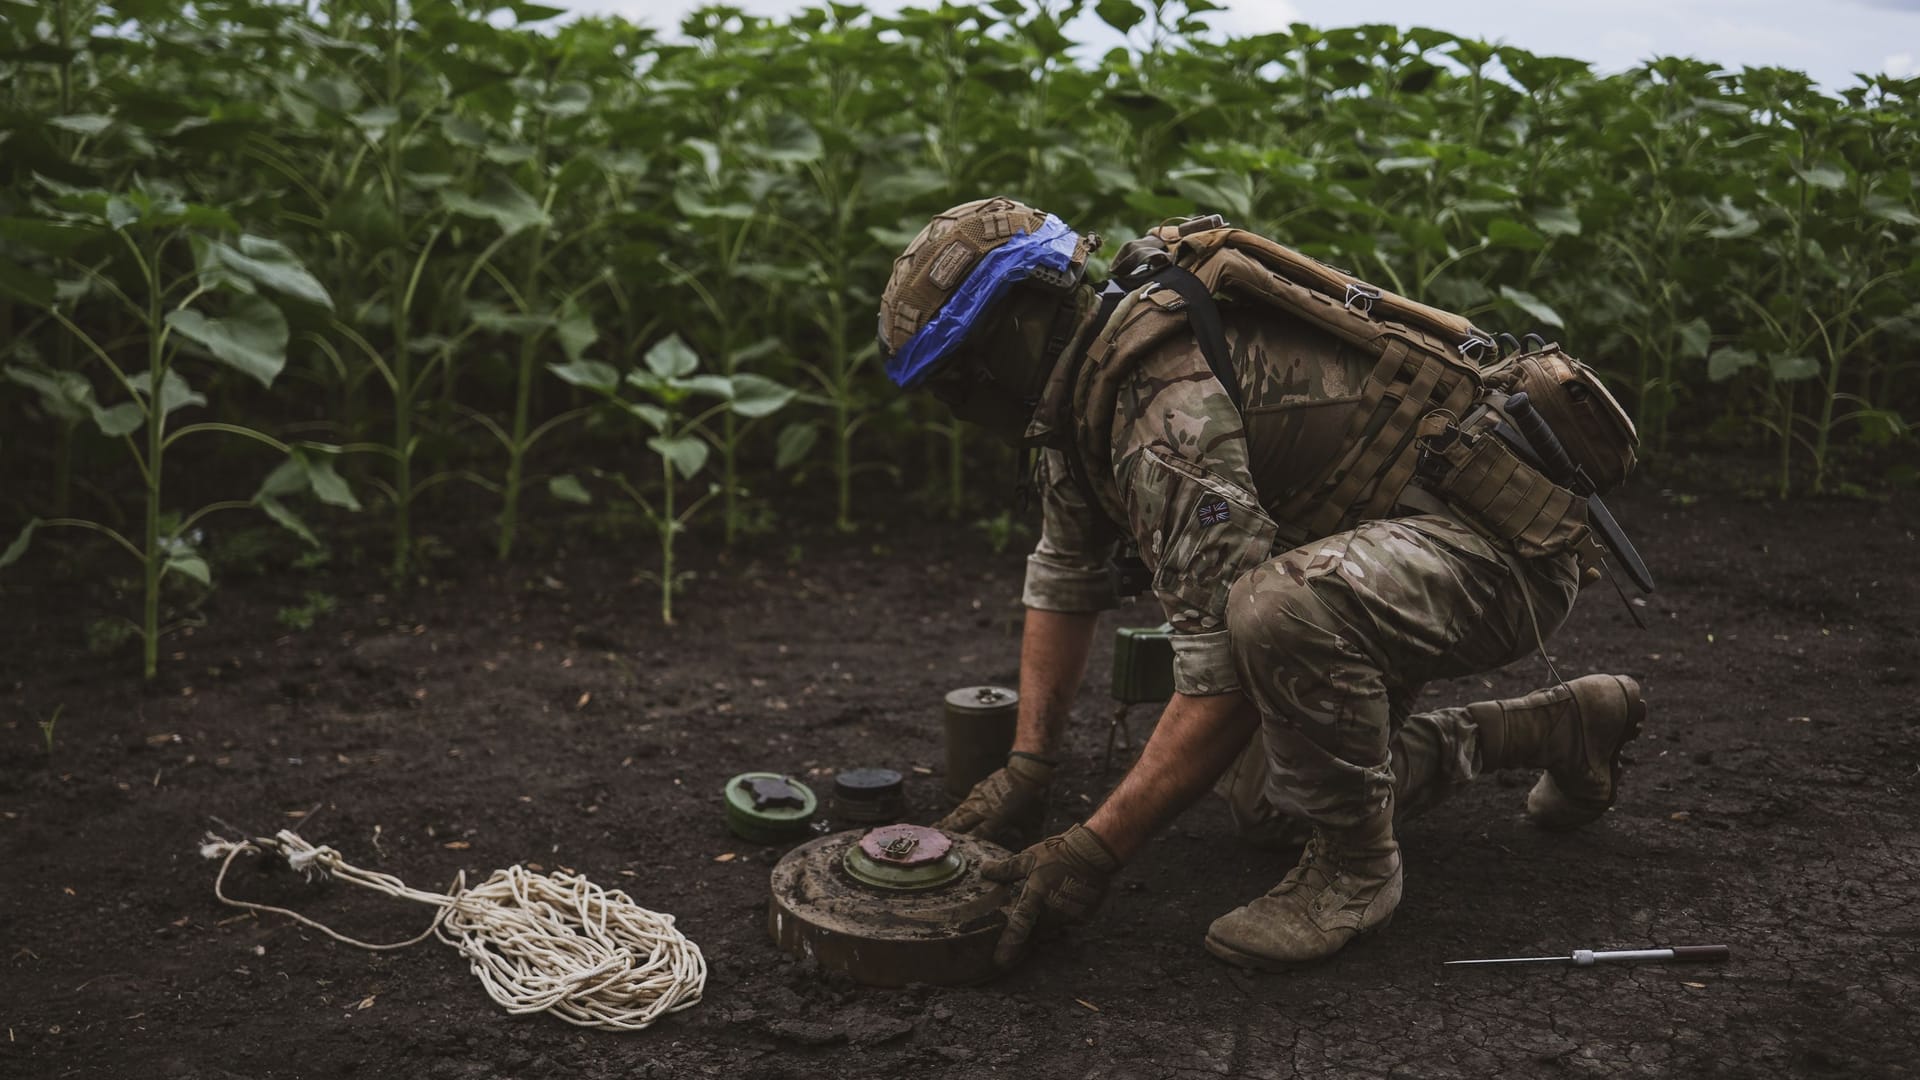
x=538, y=713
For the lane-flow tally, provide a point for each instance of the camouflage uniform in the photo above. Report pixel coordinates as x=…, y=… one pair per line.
x=1330, y=637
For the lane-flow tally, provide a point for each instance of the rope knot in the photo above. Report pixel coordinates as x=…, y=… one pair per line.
x=215, y=846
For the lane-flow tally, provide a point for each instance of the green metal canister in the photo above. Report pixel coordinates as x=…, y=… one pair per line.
x=980, y=722
x=1142, y=674
x=1142, y=664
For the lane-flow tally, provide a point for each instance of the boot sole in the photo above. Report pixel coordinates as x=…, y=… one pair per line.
x=1636, y=717
x=1256, y=962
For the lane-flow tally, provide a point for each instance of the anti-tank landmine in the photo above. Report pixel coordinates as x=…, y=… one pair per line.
x=890, y=906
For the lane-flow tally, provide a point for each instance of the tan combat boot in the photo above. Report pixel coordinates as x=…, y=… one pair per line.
x=1346, y=885
x=1575, y=732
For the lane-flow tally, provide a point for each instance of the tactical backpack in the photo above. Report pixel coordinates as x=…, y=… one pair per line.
x=1431, y=410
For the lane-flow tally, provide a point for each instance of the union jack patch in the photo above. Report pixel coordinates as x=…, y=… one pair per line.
x=1215, y=513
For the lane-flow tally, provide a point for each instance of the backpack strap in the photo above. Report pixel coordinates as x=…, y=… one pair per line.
x=1147, y=263
x=1204, y=313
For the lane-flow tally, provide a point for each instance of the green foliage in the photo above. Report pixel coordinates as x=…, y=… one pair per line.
x=677, y=421
x=47, y=727
x=377, y=222
x=208, y=303
x=303, y=615
x=1001, y=529
x=107, y=636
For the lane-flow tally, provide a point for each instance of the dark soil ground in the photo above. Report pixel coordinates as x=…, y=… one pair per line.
x=541, y=713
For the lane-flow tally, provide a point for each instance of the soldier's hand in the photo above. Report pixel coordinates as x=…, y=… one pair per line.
x=1008, y=806
x=1061, y=879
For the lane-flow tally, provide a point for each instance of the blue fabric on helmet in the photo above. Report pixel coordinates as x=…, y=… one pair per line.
x=1050, y=246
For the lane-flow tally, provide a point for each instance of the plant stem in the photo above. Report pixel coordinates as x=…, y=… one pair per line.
x=668, y=527
x=516, y=449
x=729, y=467
x=729, y=422
x=398, y=301
x=1670, y=331
x=523, y=385
x=156, y=449
x=63, y=469
x=1785, y=398
x=63, y=28
x=1822, y=437
x=842, y=397
x=63, y=453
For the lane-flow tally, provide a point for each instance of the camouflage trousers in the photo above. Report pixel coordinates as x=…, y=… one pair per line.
x=1333, y=641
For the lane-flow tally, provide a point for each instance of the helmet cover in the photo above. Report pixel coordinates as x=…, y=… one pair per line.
x=955, y=272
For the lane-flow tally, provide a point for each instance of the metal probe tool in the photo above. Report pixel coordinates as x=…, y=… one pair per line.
x=1678, y=954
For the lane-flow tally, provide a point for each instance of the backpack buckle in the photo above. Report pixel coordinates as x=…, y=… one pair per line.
x=1161, y=294
x=1361, y=296
x=1202, y=223
x=1474, y=347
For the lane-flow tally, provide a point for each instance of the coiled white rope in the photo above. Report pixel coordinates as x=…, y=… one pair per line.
x=554, y=942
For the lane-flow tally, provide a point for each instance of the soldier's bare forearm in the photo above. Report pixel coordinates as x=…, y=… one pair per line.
x=1053, y=661
x=1196, y=740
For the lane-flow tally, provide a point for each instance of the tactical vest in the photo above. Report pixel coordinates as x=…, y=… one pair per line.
x=1321, y=467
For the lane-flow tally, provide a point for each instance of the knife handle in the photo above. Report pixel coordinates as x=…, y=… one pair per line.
x=1699, y=954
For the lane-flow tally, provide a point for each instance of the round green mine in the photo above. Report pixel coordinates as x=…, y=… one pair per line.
x=769, y=808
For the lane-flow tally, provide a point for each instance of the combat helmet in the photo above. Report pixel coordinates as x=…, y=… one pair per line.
x=975, y=271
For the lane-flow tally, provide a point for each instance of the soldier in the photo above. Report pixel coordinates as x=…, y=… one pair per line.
x=1298, y=647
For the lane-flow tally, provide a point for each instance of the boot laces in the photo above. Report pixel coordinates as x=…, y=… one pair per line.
x=1311, y=858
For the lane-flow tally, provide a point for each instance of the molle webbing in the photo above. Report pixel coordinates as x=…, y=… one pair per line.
x=1481, y=477
x=1405, y=422
x=1425, y=375
x=1406, y=388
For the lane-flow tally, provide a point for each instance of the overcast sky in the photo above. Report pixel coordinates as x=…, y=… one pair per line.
x=1829, y=39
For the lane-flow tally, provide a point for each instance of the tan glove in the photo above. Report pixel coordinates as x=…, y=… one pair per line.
x=1061, y=879
x=1008, y=806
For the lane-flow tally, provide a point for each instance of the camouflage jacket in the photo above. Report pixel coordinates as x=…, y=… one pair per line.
x=1181, y=473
